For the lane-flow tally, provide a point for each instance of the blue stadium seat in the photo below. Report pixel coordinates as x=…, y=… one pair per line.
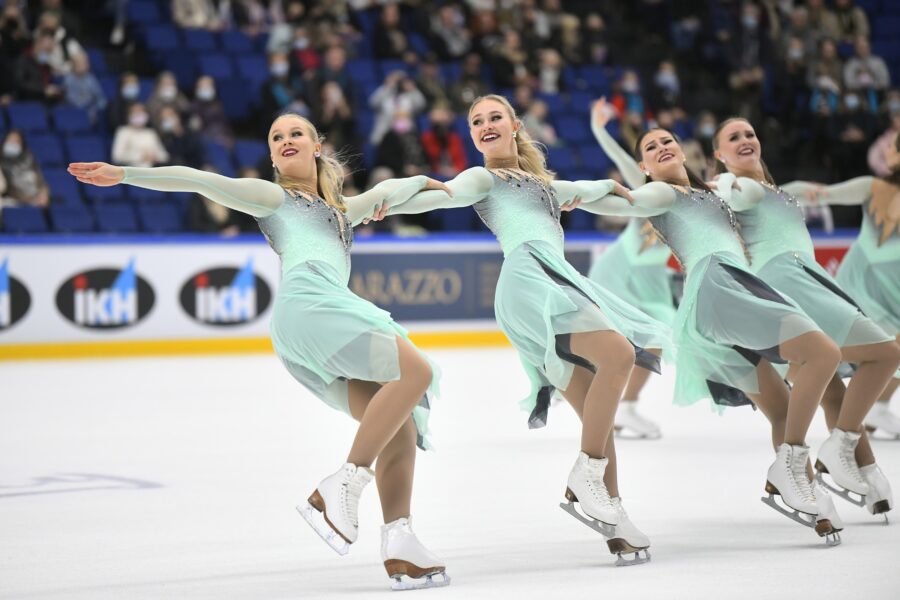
x=87, y=148
x=199, y=40
x=248, y=152
x=110, y=86
x=595, y=77
x=580, y=102
x=70, y=119
x=254, y=69
x=218, y=66
x=64, y=189
x=160, y=217
x=554, y=103
x=47, y=149
x=159, y=38
x=561, y=159
x=144, y=196
x=390, y=65
x=363, y=70
x=23, y=219
x=236, y=42
x=595, y=161
x=115, y=218
x=580, y=220
x=235, y=97
x=217, y=154
x=418, y=43
x=886, y=27
x=451, y=71
x=570, y=78
x=28, y=116
x=457, y=219
x=97, y=58
x=144, y=12
x=182, y=64
x=71, y=219
x=106, y=195
x=573, y=130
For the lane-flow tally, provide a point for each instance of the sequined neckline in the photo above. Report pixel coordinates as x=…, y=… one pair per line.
x=345, y=230
x=788, y=197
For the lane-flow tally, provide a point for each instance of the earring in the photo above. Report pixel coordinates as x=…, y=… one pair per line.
x=514, y=134
x=317, y=154
x=646, y=173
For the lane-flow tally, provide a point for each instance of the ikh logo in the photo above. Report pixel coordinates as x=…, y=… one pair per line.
x=105, y=298
x=14, y=298
x=226, y=296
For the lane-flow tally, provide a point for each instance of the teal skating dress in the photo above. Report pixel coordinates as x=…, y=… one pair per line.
x=635, y=266
x=323, y=333
x=782, y=254
x=870, y=271
x=728, y=318
x=541, y=299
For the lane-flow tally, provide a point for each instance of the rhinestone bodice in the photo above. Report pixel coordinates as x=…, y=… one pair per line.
x=773, y=226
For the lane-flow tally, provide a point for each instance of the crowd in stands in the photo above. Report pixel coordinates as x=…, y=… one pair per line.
x=197, y=82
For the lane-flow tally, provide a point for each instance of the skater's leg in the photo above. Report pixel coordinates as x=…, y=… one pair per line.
x=831, y=406
x=395, y=466
x=391, y=406
x=637, y=381
x=876, y=364
x=773, y=400
x=613, y=357
x=817, y=358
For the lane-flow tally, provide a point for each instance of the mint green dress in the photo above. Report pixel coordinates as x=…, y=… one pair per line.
x=637, y=272
x=870, y=272
x=782, y=254
x=323, y=333
x=541, y=299
x=728, y=318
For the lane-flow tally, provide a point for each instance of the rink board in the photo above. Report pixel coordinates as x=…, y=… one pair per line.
x=137, y=295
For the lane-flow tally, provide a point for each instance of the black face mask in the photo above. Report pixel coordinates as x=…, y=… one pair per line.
x=440, y=129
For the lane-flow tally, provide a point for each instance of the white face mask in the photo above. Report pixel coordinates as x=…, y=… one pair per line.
x=167, y=93
x=280, y=68
x=138, y=120
x=12, y=149
x=206, y=93
x=130, y=91
x=167, y=124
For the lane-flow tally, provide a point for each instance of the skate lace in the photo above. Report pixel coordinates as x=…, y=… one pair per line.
x=598, y=489
x=800, y=480
x=847, y=457
x=350, y=499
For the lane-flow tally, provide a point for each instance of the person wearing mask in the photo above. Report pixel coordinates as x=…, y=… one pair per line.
x=25, y=185
x=208, y=113
x=166, y=93
x=443, y=147
x=33, y=74
x=280, y=93
x=129, y=93
x=866, y=72
x=335, y=117
x=65, y=47
x=82, y=88
x=183, y=145
x=136, y=144
x=397, y=94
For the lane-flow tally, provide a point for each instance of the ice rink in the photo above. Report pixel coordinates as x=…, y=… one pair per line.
x=178, y=477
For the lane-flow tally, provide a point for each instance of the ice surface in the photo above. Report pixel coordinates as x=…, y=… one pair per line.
x=178, y=477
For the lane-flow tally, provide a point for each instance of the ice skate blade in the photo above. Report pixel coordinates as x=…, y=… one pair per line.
x=833, y=539
x=625, y=433
x=402, y=583
x=621, y=561
x=805, y=519
x=604, y=529
x=317, y=521
x=835, y=489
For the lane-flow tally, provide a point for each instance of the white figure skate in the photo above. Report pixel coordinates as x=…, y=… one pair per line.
x=828, y=522
x=630, y=423
x=879, y=500
x=881, y=420
x=628, y=539
x=787, y=479
x=586, y=487
x=837, y=458
x=333, y=507
x=409, y=564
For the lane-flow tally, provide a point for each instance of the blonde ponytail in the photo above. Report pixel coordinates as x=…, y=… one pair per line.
x=531, y=152
x=329, y=172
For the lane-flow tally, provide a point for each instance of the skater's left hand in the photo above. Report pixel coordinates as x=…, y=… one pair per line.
x=621, y=190
x=379, y=214
x=571, y=204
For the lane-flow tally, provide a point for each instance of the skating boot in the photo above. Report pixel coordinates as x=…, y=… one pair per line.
x=828, y=521
x=408, y=563
x=333, y=507
x=632, y=424
x=787, y=478
x=837, y=458
x=881, y=420
x=586, y=487
x=879, y=500
x=628, y=539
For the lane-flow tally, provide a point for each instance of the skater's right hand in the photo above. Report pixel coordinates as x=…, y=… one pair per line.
x=621, y=190
x=601, y=113
x=97, y=173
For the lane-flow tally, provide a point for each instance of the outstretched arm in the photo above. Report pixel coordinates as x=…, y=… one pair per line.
x=466, y=189
x=649, y=200
x=624, y=162
x=853, y=191
x=255, y=197
x=388, y=192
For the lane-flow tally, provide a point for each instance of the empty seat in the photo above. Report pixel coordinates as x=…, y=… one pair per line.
x=580, y=102
x=363, y=70
x=87, y=148
x=235, y=97
x=579, y=220
x=117, y=194
x=561, y=159
x=144, y=196
x=23, y=219
x=144, y=12
x=199, y=40
x=64, y=189
x=47, y=149
x=573, y=130
x=235, y=42
x=160, y=217
x=595, y=161
x=70, y=119
x=28, y=116
x=254, y=69
x=248, y=152
x=71, y=219
x=217, y=66
x=161, y=37
x=97, y=59
x=115, y=218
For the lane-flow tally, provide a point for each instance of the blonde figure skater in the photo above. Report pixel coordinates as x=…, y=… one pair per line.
x=346, y=351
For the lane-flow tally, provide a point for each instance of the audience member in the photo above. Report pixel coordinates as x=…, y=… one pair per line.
x=82, y=88
x=136, y=144
x=25, y=185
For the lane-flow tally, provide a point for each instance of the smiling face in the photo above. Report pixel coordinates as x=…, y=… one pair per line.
x=292, y=147
x=491, y=126
x=738, y=147
x=662, y=157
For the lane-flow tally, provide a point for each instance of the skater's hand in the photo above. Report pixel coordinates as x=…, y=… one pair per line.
x=814, y=193
x=434, y=184
x=97, y=173
x=379, y=214
x=621, y=190
x=601, y=113
x=714, y=184
x=571, y=204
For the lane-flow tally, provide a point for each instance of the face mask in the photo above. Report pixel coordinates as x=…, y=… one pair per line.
x=138, y=120
x=852, y=102
x=206, y=93
x=893, y=106
x=795, y=53
x=279, y=69
x=707, y=130
x=130, y=91
x=11, y=149
x=667, y=80
x=167, y=93
x=403, y=125
x=630, y=86
x=43, y=57
x=301, y=44
x=749, y=21
x=167, y=124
